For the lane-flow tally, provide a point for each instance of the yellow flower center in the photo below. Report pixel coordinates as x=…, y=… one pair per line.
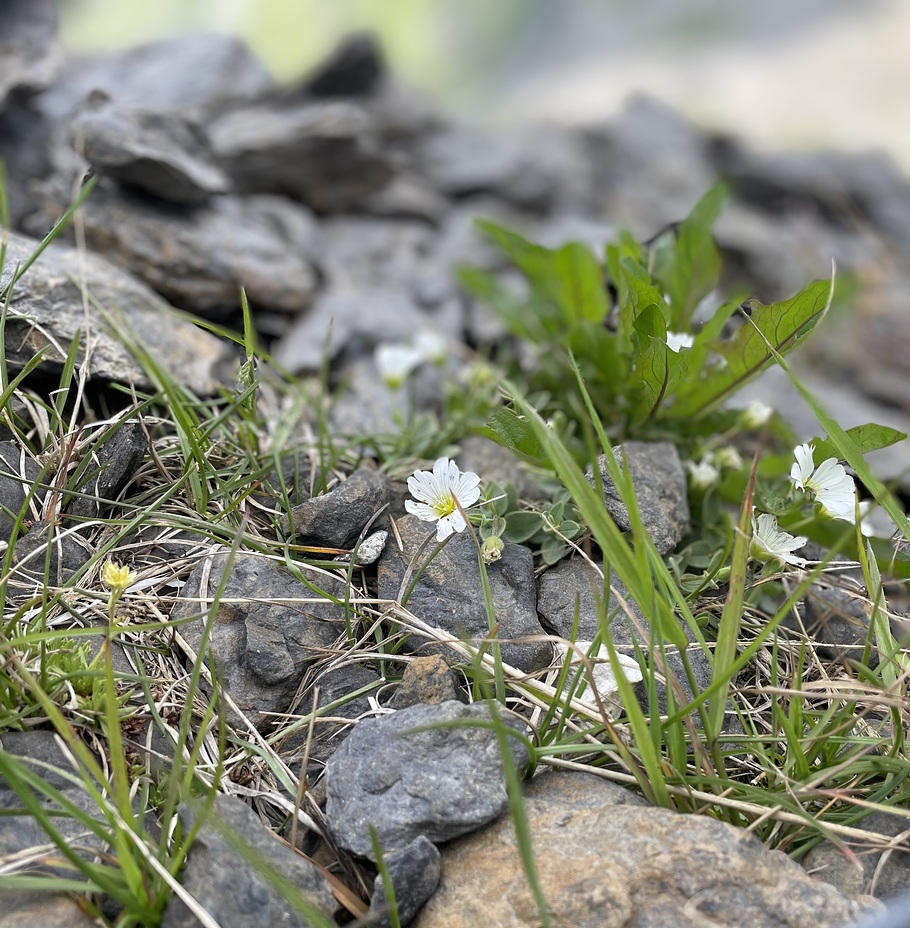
x=444, y=505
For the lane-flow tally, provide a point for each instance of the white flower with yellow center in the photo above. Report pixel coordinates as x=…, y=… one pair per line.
x=829, y=484
x=436, y=493
x=771, y=543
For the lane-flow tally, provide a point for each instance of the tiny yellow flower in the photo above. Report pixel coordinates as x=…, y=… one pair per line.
x=117, y=577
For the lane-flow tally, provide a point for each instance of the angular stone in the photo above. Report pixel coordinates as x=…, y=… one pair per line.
x=353, y=69
x=266, y=628
x=414, y=873
x=199, y=257
x=426, y=680
x=335, y=685
x=324, y=154
x=30, y=53
x=449, y=594
x=571, y=584
x=39, y=751
x=159, y=153
x=882, y=873
x=439, y=783
x=237, y=888
x=47, y=313
x=18, y=474
x=113, y=464
x=196, y=74
x=605, y=859
x=48, y=554
x=660, y=490
x=541, y=167
x=338, y=517
x=24, y=908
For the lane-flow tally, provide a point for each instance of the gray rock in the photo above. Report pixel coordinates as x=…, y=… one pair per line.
x=427, y=680
x=532, y=167
x=199, y=257
x=24, y=908
x=448, y=594
x=159, y=153
x=47, y=313
x=660, y=491
x=355, y=321
x=48, y=554
x=232, y=870
x=651, y=166
x=440, y=783
x=499, y=465
x=837, y=622
x=25, y=143
x=18, y=475
x=855, y=868
x=30, y=54
x=607, y=860
x=335, y=685
x=406, y=196
x=265, y=630
x=19, y=832
x=324, y=154
x=107, y=470
x=414, y=873
x=196, y=74
x=338, y=517
x=571, y=585
x=353, y=69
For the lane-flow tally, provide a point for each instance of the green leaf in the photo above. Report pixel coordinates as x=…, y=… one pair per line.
x=868, y=437
x=512, y=431
x=692, y=273
x=578, y=285
x=784, y=325
x=520, y=526
x=657, y=369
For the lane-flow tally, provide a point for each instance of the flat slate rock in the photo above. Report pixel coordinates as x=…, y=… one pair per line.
x=160, y=153
x=605, y=859
x=199, y=74
x=47, y=313
x=438, y=783
x=199, y=257
x=324, y=153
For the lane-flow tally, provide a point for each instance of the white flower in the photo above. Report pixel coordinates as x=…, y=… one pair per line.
x=677, y=340
x=756, y=414
x=395, y=361
x=728, y=458
x=704, y=474
x=431, y=346
x=770, y=542
x=437, y=491
x=829, y=484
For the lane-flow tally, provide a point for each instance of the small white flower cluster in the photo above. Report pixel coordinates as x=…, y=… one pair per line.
x=829, y=485
x=397, y=360
x=707, y=470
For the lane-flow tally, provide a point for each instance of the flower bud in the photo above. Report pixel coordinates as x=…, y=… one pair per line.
x=492, y=548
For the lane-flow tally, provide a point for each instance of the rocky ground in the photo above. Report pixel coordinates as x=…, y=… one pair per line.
x=341, y=206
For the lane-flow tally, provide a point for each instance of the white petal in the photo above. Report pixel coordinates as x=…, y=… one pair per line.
x=421, y=510
x=801, y=471
x=450, y=524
